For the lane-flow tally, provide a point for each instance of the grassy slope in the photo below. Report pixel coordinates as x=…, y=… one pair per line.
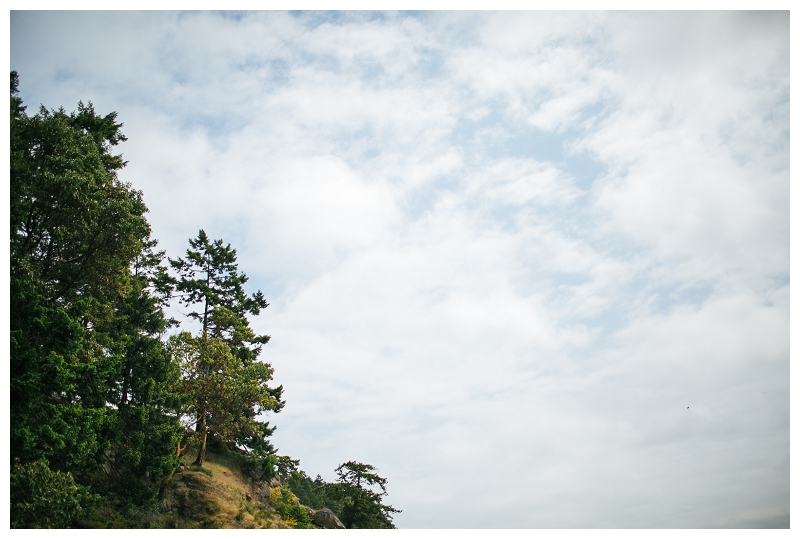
x=218, y=496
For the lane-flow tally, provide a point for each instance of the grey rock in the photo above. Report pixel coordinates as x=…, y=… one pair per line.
x=255, y=472
x=324, y=518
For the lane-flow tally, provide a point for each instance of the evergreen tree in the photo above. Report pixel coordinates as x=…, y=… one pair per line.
x=357, y=498
x=97, y=397
x=147, y=428
x=88, y=372
x=228, y=388
x=311, y=492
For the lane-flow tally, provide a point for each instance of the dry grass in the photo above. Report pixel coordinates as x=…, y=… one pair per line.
x=218, y=496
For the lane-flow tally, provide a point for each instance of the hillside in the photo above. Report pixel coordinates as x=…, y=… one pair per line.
x=221, y=495
x=218, y=495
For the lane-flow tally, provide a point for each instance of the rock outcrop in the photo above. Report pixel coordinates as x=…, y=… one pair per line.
x=324, y=518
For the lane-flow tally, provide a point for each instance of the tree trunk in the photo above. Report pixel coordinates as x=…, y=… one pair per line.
x=179, y=451
x=201, y=454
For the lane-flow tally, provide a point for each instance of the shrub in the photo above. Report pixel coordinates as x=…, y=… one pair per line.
x=43, y=498
x=288, y=507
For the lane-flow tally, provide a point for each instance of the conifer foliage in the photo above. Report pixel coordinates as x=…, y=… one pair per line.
x=90, y=377
x=356, y=498
x=227, y=388
x=359, y=495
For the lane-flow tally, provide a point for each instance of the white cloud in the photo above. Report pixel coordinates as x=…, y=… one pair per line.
x=682, y=179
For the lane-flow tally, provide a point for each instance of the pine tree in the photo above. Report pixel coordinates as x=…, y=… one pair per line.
x=228, y=388
x=355, y=499
x=144, y=395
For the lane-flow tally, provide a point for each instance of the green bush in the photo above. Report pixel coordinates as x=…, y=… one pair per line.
x=258, y=467
x=43, y=498
x=310, y=491
x=288, y=507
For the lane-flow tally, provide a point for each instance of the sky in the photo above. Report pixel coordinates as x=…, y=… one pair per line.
x=533, y=266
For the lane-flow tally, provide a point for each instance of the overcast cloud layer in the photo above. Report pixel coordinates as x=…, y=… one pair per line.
x=532, y=266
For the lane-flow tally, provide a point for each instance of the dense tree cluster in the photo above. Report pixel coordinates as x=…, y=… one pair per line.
x=356, y=498
x=91, y=380
x=104, y=401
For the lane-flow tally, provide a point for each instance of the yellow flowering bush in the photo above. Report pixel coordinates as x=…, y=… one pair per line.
x=288, y=507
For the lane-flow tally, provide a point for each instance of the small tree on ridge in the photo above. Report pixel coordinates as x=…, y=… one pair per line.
x=228, y=386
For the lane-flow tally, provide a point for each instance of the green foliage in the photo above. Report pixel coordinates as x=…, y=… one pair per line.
x=287, y=505
x=144, y=446
x=258, y=467
x=225, y=387
x=358, y=504
x=97, y=393
x=357, y=498
x=104, y=515
x=310, y=491
x=42, y=498
x=75, y=228
x=285, y=466
x=209, y=280
x=89, y=375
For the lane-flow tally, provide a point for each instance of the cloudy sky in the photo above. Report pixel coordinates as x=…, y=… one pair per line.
x=532, y=266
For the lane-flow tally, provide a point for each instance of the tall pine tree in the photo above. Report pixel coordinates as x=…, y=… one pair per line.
x=227, y=385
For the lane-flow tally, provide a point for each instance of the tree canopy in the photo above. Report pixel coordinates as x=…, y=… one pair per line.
x=356, y=498
x=85, y=315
